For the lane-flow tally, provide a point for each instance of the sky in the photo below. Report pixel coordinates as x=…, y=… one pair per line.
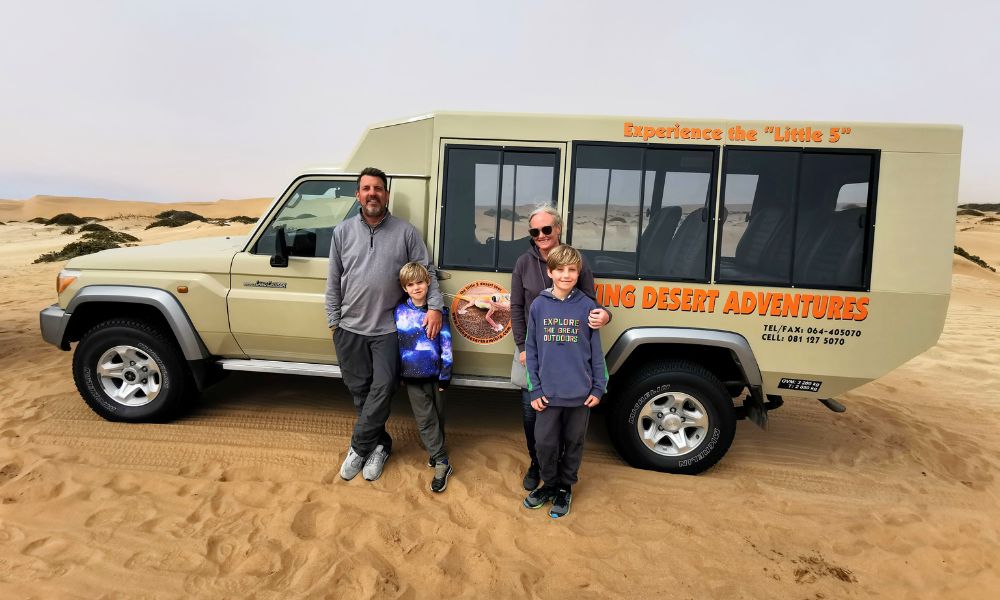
x=194, y=101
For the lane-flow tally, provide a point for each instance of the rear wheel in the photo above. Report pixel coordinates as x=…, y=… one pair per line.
x=676, y=417
x=128, y=370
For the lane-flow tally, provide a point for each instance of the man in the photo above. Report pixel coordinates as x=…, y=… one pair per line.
x=362, y=290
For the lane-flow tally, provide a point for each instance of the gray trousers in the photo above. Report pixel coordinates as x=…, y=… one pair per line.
x=369, y=365
x=428, y=411
x=561, y=428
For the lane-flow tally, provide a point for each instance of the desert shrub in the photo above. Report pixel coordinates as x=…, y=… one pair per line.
x=971, y=212
x=185, y=216
x=69, y=230
x=973, y=258
x=242, y=219
x=93, y=227
x=39, y=220
x=989, y=207
x=989, y=220
x=505, y=213
x=175, y=218
x=79, y=248
x=117, y=237
x=66, y=219
x=167, y=223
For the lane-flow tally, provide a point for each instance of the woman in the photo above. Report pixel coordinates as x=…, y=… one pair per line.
x=529, y=278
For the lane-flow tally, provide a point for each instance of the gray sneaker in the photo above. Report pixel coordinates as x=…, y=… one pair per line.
x=442, y=471
x=352, y=465
x=375, y=462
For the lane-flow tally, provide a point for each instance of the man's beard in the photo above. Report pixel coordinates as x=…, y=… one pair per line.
x=374, y=212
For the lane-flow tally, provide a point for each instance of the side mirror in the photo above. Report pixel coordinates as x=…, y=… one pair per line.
x=280, y=256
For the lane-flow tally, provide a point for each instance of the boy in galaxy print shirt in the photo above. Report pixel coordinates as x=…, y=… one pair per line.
x=425, y=369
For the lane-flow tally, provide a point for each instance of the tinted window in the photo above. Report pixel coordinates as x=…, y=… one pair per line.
x=488, y=195
x=642, y=211
x=758, y=195
x=796, y=218
x=833, y=212
x=309, y=216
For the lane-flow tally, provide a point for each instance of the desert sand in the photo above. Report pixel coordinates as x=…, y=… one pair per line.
x=50, y=206
x=898, y=497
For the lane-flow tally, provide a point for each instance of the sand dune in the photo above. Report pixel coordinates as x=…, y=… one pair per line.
x=50, y=206
x=897, y=498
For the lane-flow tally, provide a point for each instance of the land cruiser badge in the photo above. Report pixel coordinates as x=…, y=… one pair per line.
x=260, y=283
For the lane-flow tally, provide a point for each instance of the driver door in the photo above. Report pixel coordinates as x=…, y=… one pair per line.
x=278, y=313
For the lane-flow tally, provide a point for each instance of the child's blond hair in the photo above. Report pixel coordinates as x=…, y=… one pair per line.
x=563, y=255
x=413, y=272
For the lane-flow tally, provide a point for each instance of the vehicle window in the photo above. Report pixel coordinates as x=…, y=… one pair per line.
x=486, y=214
x=795, y=218
x=757, y=233
x=832, y=232
x=642, y=212
x=309, y=216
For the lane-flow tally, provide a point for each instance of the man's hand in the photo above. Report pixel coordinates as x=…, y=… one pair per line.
x=539, y=404
x=598, y=318
x=432, y=323
x=591, y=401
x=520, y=358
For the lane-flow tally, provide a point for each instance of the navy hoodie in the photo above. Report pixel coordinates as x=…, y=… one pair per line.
x=564, y=357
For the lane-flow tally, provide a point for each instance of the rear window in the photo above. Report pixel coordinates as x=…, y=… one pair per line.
x=796, y=218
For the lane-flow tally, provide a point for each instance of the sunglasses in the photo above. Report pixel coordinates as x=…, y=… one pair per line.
x=535, y=232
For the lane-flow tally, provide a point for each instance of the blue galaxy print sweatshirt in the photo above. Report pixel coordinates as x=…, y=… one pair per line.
x=563, y=354
x=422, y=358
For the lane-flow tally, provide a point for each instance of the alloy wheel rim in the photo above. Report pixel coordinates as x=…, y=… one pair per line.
x=129, y=376
x=673, y=424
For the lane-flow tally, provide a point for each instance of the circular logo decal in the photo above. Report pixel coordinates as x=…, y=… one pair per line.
x=481, y=312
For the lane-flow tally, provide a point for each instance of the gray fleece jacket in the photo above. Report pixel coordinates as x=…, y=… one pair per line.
x=362, y=287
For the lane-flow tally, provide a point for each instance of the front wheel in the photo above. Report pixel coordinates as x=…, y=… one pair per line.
x=127, y=370
x=676, y=417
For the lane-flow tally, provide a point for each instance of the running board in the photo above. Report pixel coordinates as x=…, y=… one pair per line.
x=321, y=370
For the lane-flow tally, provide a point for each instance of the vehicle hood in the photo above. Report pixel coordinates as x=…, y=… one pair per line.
x=204, y=255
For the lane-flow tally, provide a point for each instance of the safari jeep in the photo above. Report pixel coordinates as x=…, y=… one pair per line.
x=742, y=261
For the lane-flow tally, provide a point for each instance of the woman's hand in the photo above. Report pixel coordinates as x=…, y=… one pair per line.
x=520, y=358
x=598, y=318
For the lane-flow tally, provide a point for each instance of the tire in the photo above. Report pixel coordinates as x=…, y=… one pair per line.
x=128, y=370
x=675, y=417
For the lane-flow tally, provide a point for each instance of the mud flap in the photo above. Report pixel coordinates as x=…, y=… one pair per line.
x=756, y=408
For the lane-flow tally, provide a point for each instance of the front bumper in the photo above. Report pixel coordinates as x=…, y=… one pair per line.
x=53, y=321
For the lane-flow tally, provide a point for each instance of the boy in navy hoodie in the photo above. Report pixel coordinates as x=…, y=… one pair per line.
x=566, y=378
x=426, y=368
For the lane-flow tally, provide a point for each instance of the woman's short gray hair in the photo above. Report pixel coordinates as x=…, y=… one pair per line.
x=549, y=210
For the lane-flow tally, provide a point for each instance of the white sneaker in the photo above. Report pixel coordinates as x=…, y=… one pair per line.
x=352, y=465
x=375, y=462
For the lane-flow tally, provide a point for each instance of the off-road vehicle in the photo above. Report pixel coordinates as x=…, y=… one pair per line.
x=742, y=261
